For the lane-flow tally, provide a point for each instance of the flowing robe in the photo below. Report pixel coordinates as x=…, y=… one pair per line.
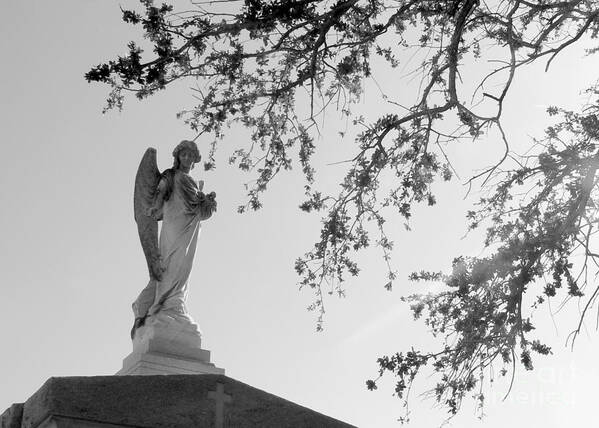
x=182, y=212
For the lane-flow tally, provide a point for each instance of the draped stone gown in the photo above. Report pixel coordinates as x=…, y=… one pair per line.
x=165, y=300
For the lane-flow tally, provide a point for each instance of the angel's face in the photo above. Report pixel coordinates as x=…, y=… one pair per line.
x=186, y=158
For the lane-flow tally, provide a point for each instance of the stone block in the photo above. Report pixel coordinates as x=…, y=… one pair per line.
x=160, y=364
x=178, y=401
x=12, y=417
x=167, y=349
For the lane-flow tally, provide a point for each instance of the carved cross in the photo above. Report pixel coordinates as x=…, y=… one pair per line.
x=220, y=398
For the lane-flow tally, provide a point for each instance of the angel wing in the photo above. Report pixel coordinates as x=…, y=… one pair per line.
x=146, y=183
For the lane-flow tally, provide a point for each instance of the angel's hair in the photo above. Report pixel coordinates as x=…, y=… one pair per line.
x=186, y=145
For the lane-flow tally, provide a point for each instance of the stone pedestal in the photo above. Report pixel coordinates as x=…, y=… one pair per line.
x=168, y=348
x=181, y=401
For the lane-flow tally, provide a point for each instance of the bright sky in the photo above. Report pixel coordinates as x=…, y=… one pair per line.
x=72, y=263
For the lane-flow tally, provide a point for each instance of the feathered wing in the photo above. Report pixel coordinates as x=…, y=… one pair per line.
x=146, y=184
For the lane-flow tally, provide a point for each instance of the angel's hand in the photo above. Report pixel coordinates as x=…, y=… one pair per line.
x=200, y=185
x=158, y=269
x=152, y=211
x=157, y=274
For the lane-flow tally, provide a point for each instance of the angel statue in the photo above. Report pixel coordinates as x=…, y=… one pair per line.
x=177, y=200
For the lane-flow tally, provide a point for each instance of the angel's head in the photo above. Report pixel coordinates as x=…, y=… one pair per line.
x=186, y=153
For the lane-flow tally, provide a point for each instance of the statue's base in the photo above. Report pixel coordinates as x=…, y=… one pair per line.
x=182, y=401
x=168, y=349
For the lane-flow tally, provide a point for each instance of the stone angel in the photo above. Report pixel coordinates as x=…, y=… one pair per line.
x=177, y=200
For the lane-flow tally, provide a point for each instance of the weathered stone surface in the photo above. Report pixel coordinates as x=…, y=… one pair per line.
x=181, y=401
x=148, y=364
x=177, y=199
x=11, y=418
x=167, y=349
